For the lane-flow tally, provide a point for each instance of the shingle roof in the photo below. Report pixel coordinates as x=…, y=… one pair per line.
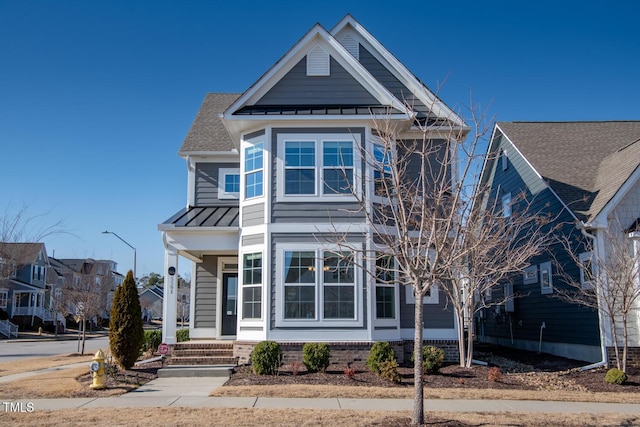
x=585, y=163
x=207, y=132
x=24, y=253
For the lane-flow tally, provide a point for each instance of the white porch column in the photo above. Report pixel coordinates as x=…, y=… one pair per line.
x=169, y=303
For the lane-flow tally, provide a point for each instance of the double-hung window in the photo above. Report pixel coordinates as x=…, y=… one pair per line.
x=253, y=170
x=299, y=285
x=339, y=286
x=385, y=287
x=316, y=285
x=252, y=286
x=312, y=166
x=337, y=163
x=382, y=185
x=4, y=296
x=300, y=167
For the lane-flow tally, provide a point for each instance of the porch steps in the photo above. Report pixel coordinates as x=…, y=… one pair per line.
x=202, y=359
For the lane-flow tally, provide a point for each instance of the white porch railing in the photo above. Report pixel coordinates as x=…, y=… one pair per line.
x=8, y=329
x=23, y=311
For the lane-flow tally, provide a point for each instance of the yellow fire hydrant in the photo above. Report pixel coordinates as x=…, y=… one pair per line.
x=97, y=370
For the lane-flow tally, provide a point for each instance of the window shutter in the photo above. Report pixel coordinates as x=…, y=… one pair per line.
x=318, y=62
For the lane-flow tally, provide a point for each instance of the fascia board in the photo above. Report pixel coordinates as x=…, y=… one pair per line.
x=484, y=173
x=601, y=217
x=201, y=155
x=399, y=70
x=174, y=230
x=296, y=53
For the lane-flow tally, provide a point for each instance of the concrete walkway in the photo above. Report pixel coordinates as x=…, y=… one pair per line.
x=194, y=393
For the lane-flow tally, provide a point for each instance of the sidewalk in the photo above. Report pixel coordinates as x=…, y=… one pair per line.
x=194, y=393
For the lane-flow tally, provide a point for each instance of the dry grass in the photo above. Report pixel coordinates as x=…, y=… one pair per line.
x=62, y=383
x=296, y=417
x=36, y=363
x=325, y=391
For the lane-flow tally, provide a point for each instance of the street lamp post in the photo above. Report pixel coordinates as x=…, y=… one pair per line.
x=126, y=243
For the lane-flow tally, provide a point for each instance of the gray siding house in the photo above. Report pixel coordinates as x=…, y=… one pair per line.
x=266, y=189
x=586, y=176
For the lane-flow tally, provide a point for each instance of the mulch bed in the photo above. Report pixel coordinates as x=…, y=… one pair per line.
x=122, y=380
x=521, y=370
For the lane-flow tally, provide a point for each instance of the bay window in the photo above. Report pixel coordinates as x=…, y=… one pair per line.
x=253, y=171
x=385, y=288
x=339, y=286
x=299, y=285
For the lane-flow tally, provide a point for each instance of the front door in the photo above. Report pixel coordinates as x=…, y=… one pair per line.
x=229, y=303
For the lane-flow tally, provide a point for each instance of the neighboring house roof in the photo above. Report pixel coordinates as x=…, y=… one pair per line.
x=207, y=133
x=155, y=290
x=211, y=216
x=585, y=163
x=25, y=253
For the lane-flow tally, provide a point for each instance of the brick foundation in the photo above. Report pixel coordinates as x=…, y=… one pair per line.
x=633, y=356
x=345, y=352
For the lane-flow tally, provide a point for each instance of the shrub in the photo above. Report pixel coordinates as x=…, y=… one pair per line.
x=615, y=376
x=126, y=335
x=315, y=356
x=380, y=351
x=3, y=315
x=432, y=358
x=265, y=358
x=389, y=370
x=494, y=374
x=182, y=335
x=350, y=371
x=152, y=339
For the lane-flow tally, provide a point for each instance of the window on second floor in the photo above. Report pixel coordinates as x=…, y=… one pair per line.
x=253, y=171
x=228, y=183
x=586, y=270
x=506, y=205
x=316, y=165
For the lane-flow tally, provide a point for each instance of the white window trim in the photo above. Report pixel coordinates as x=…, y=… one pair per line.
x=222, y=180
x=531, y=271
x=318, y=139
x=280, y=321
x=244, y=173
x=385, y=321
x=434, y=298
x=583, y=257
x=6, y=298
x=253, y=321
x=506, y=205
x=546, y=266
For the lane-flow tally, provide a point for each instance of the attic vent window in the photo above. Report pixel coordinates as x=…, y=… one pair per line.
x=318, y=62
x=351, y=44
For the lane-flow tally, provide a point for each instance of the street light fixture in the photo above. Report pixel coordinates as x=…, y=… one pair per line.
x=126, y=243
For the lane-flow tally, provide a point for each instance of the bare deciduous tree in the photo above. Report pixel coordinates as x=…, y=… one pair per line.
x=20, y=227
x=609, y=282
x=497, y=242
x=86, y=290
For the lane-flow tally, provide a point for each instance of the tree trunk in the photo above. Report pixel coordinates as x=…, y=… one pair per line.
x=624, y=342
x=461, y=349
x=84, y=335
x=470, y=330
x=418, y=391
x=615, y=342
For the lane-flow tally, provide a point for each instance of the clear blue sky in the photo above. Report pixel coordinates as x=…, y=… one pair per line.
x=96, y=97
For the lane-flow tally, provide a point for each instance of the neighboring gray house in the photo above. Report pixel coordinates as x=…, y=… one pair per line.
x=586, y=175
x=23, y=285
x=151, y=302
x=265, y=169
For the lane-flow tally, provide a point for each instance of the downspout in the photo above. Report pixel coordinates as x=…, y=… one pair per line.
x=603, y=347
